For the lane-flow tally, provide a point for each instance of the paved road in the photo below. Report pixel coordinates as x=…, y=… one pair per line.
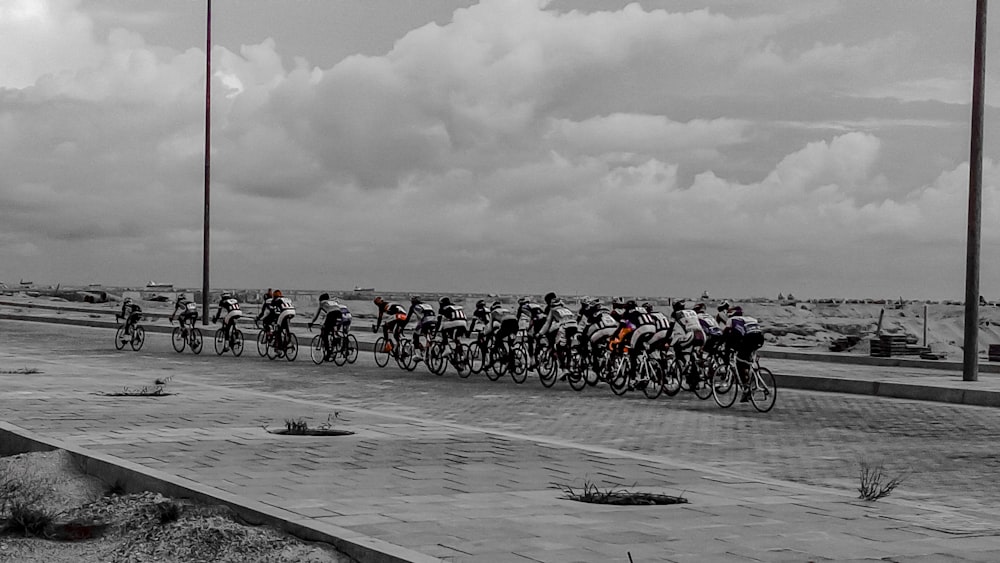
x=812, y=438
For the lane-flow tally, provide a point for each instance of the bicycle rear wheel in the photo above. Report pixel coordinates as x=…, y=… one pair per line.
x=339, y=352
x=477, y=355
x=381, y=352
x=519, y=372
x=177, y=339
x=725, y=386
x=120, y=338
x=435, y=359
x=497, y=365
x=237, y=345
x=405, y=358
x=316, y=351
x=262, y=344
x=461, y=360
x=352, y=349
x=619, y=378
x=576, y=377
x=138, y=338
x=548, y=368
x=672, y=378
x=763, y=389
x=220, y=341
x=196, y=341
x=654, y=386
x=292, y=349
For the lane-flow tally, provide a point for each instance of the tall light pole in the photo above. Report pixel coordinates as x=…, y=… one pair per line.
x=970, y=348
x=208, y=148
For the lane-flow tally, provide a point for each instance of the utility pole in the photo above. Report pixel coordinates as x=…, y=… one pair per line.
x=208, y=156
x=970, y=348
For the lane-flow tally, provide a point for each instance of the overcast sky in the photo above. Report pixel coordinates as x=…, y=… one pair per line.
x=513, y=146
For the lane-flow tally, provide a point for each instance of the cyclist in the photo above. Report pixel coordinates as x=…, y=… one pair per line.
x=503, y=322
x=482, y=316
x=451, y=322
x=722, y=313
x=744, y=337
x=685, y=335
x=559, y=326
x=660, y=338
x=713, y=333
x=130, y=314
x=426, y=319
x=186, y=313
x=643, y=327
x=267, y=312
x=395, y=318
x=282, y=306
x=333, y=317
x=231, y=306
x=530, y=317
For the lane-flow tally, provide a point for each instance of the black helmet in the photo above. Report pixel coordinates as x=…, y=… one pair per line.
x=415, y=299
x=550, y=297
x=724, y=306
x=324, y=296
x=630, y=304
x=523, y=301
x=699, y=308
x=496, y=305
x=444, y=301
x=480, y=304
x=648, y=307
x=678, y=305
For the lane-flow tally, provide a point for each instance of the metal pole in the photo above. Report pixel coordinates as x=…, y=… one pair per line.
x=970, y=363
x=208, y=148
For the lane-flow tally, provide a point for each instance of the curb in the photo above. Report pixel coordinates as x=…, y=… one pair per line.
x=873, y=360
x=136, y=478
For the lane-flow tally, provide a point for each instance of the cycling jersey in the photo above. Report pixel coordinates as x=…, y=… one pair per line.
x=709, y=325
x=559, y=316
x=230, y=307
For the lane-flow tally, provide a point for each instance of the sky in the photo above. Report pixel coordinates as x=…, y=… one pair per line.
x=813, y=147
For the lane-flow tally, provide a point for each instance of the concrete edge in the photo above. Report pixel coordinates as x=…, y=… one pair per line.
x=134, y=478
x=782, y=354
x=971, y=397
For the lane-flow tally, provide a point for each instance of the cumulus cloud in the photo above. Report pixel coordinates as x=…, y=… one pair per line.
x=570, y=147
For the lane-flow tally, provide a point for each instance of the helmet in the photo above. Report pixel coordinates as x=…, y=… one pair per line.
x=415, y=299
x=444, y=301
x=496, y=305
x=523, y=301
x=227, y=294
x=269, y=293
x=277, y=293
x=617, y=302
x=630, y=304
x=128, y=300
x=699, y=308
x=324, y=296
x=724, y=305
x=648, y=307
x=181, y=297
x=480, y=304
x=737, y=311
x=678, y=305
x=378, y=300
x=550, y=297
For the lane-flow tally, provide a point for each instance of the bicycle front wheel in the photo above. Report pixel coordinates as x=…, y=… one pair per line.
x=316, y=351
x=177, y=339
x=461, y=360
x=262, y=344
x=577, y=376
x=138, y=338
x=381, y=352
x=763, y=390
x=120, y=338
x=196, y=341
x=654, y=383
x=477, y=355
x=519, y=371
x=435, y=359
x=672, y=378
x=405, y=357
x=292, y=349
x=497, y=364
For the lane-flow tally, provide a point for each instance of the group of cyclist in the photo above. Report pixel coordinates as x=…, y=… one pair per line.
x=624, y=324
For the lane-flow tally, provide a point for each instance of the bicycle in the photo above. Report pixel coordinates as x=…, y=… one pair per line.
x=339, y=348
x=184, y=335
x=457, y=355
x=398, y=348
x=496, y=359
x=759, y=388
x=284, y=344
x=265, y=338
x=130, y=333
x=646, y=374
x=229, y=338
x=685, y=371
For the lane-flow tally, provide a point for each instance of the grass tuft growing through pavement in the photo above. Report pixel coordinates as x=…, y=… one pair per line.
x=875, y=481
x=616, y=495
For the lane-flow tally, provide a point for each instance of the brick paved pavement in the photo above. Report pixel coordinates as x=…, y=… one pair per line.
x=461, y=469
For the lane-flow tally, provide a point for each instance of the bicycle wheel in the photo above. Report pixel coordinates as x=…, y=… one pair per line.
x=237, y=344
x=703, y=390
x=262, y=344
x=577, y=377
x=220, y=341
x=316, y=351
x=460, y=360
x=138, y=338
x=654, y=373
x=725, y=386
x=619, y=380
x=497, y=365
x=477, y=353
x=292, y=349
x=435, y=359
x=763, y=389
x=519, y=371
x=381, y=352
x=339, y=350
x=405, y=358
x=352, y=349
x=120, y=338
x=548, y=368
x=177, y=339
x=672, y=378
x=196, y=341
